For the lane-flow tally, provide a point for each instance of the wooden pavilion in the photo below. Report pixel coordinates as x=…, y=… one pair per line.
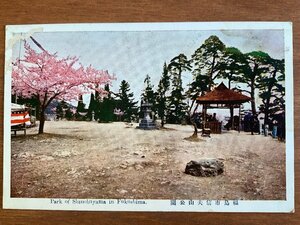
x=221, y=97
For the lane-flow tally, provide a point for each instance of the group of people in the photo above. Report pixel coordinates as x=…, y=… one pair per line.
x=252, y=124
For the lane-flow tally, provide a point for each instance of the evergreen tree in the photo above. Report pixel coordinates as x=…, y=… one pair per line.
x=68, y=114
x=80, y=111
x=126, y=102
x=63, y=110
x=32, y=102
x=92, y=107
x=231, y=66
x=161, y=97
x=197, y=87
x=207, y=60
x=277, y=105
x=257, y=64
x=59, y=111
x=97, y=101
x=271, y=88
x=107, y=107
x=177, y=106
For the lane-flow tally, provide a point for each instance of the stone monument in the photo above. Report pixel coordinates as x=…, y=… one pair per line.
x=146, y=123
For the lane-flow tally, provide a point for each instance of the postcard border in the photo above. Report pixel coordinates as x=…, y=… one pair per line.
x=153, y=205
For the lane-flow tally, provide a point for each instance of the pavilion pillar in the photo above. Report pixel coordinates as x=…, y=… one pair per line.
x=232, y=116
x=204, y=115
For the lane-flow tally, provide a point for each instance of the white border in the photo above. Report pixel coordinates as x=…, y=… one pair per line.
x=154, y=205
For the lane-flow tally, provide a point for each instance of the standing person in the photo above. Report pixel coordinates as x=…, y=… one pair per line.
x=281, y=128
x=261, y=123
x=283, y=133
x=254, y=124
x=266, y=130
x=251, y=124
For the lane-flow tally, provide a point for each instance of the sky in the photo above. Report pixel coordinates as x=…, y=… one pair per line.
x=134, y=54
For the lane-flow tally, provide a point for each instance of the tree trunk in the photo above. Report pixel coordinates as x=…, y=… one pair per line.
x=211, y=73
x=231, y=117
x=266, y=111
x=252, y=86
x=42, y=121
x=195, y=134
x=192, y=119
x=267, y=105
x=252, y=93
x=162, y=121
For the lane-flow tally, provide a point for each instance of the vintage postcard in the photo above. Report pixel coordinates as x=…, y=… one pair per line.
x=149, y=117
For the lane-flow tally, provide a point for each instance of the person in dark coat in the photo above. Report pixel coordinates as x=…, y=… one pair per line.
x=281, y=127
x=253, y=123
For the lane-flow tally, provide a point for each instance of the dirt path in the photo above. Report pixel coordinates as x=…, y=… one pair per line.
x=92, y=160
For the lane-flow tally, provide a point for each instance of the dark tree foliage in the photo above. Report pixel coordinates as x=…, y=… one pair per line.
x=92, y=107
x=177, y=106
x=196, y=88
x=107, y=107
x=207, y=60
x=32, y=102
x=271, y=89
x=80, y=110
x=59, y=111
x=277, y=106
x=126, y=102
x=232, y=64
x=63, y=111
x=161, y=98
x=257, y=64
x=232, y=68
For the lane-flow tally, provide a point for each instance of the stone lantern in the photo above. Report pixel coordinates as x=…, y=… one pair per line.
x=146, y=123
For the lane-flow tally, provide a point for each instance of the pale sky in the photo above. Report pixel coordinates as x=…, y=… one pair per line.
x=133, y=55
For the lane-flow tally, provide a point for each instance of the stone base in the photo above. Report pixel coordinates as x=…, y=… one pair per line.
x=205, y=167
x=147, y=124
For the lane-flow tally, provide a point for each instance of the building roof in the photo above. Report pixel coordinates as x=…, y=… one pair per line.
x=222, y=95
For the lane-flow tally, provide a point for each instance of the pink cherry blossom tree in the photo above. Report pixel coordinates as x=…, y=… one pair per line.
x=47, y=77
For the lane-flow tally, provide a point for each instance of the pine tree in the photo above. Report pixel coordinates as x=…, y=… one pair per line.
x=231, y=66
x=257, y=64
x=197, y=87
x=207, y=59
x=177, y=106
x=206, y=62
x=107, y=107
x=161, y=97
x=92, y=107
x=80, y=109
x=97, y=101
x=271, y=88
x=126, y=102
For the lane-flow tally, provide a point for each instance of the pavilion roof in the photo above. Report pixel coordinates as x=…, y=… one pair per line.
x=223, y=95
